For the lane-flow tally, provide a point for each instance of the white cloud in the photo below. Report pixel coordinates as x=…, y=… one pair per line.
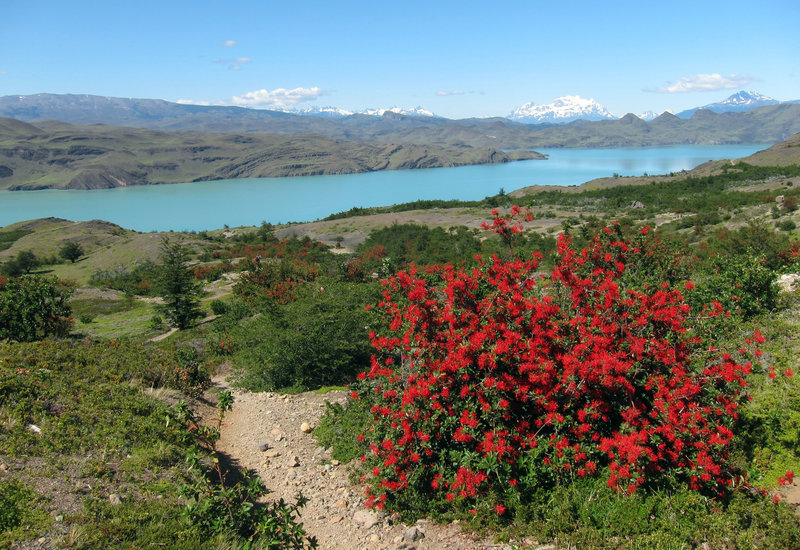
x=242, y=60
x=452, y=92
x=192, y=102
x=234, y=68
x=705, y=83
x=280, y=97
x=229, y=43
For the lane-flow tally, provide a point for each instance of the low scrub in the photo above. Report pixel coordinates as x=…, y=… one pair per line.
x=79, y=422
x=318, y=339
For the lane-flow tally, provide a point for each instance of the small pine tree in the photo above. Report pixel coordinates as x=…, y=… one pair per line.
x=178, y=287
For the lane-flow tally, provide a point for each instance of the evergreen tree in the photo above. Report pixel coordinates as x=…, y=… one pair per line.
x=178, y=287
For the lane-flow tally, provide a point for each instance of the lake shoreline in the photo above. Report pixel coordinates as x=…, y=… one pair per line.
x=246, y=202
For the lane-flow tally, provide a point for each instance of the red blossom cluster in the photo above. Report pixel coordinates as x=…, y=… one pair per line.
x=501, y=376
x=508, y=226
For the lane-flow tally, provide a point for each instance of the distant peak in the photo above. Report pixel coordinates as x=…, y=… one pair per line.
x=415, y=111
x=563, y=109
x=739, y=102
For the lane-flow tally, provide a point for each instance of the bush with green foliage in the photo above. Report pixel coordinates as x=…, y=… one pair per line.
x=141, y=280
x=218, y=307
x=420, y=244
x=23, y=263
x=743, y=285
x=19, y=511
x=34, y=307
x=320, y=339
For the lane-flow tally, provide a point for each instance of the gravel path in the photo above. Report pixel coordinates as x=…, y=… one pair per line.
x=264, y=432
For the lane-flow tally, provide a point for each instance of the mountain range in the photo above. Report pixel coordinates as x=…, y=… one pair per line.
x=336, y=112
x=564, y=109
x=767, y=124
x=572, y=108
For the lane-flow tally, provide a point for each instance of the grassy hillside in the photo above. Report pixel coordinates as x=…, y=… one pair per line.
x=59, y=156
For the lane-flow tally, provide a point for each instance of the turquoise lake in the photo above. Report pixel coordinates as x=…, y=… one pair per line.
x=210, y=205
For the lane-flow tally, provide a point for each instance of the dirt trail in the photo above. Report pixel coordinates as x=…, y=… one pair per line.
x=263, y=433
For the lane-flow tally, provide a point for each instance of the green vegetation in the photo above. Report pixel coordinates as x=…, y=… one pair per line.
x=32, y=308
x=71, y=251
x=19, y=511
x=7, y=238
x=102, y=433
x=140, y=280
x=403, y=207
x=178, y=287
x=99, y=412
x=318, y=339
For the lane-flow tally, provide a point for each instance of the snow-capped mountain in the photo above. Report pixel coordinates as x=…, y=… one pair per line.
x=332, y=112
x=336, y=112
x=562, y=109
x=738, y=102
x=648, y=115
x=416, y=111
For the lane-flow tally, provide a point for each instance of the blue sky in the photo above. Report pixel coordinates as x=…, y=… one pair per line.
x=457, y=59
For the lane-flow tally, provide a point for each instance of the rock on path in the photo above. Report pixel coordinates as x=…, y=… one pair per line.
x=265, y=432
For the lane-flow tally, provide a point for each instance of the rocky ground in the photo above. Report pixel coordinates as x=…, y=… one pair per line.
x=271, y=435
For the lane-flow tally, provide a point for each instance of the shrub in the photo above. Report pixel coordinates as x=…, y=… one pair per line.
x=13, y=497
x=418, y=243
x=499, y=383
x=741, y=285
x=273, y=284
x=34, y=307
x=218, y=307
x=318, y=340
x=156, y=322
x=141, y=280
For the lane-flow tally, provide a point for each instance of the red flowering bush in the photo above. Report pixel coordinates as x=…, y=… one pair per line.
x=501, y=380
